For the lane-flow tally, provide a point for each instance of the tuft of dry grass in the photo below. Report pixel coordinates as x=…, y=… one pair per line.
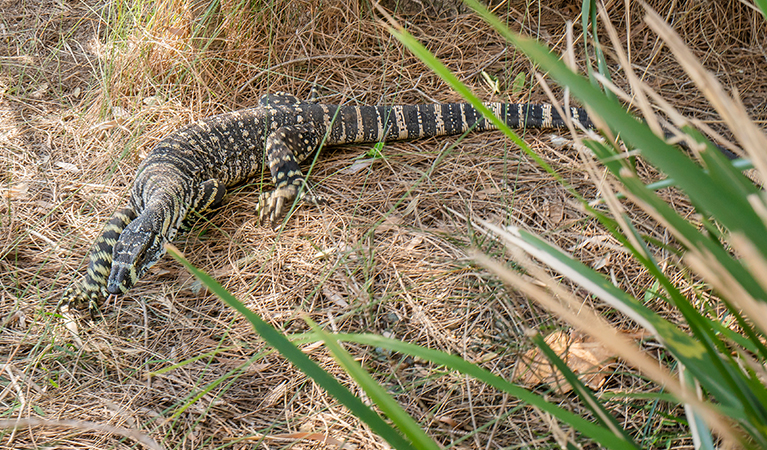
x=87, y=88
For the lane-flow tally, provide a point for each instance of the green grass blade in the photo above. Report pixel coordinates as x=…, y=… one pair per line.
x=692, y=236
x=688, y=350
x=724, y=378
x=403, y=421
x=720, y=191
x=598, y=433
x=762, y=4
x=589, y=15
x=192, y=399
x=300, y=359
x=587, y=396
x=181, y=364
x=740, y=396
x=681, y=226
x=700, y=432
x=739, y=164
x=734, y=213
x=443, y=72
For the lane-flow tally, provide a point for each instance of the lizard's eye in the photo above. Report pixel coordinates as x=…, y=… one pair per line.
x=141, y=255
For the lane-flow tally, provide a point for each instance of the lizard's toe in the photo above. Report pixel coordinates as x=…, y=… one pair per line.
x=78, y=297
x=309, y=197
x=271, y=204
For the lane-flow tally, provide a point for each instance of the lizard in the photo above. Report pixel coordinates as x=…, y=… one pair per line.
x=188, y=172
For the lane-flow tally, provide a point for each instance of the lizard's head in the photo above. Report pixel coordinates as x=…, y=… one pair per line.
x=138, y=248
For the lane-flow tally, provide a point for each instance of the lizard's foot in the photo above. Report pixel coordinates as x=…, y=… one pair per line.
x=74, y=298
x=78, y=297
x=273, y=204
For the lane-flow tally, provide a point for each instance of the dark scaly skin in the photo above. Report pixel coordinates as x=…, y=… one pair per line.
x=91, y=290
x=188, y=172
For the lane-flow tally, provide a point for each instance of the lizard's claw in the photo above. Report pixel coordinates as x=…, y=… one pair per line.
x=273, y=204
x=78, y=297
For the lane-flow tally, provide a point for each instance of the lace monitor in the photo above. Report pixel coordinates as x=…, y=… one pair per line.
x=187, y=173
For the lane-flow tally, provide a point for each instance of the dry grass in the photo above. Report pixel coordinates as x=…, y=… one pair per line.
x=84, y=93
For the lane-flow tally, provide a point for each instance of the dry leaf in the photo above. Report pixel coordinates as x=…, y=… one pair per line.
x=391, y=222
x=251, y=369
x=585, y=357
x=41, y=90
x=310, y=348
x=69, y=167
x=275, y=394
x=18, y=191
x=106, y=125
x=415, y=242
x=602, y=262
x=489, y=356
x=357, y=166
x=334, y=297
x=448, y=421
x=120, y=114
x=340, y=248
x=557, y=211
x=484, y=194
x=558, y=141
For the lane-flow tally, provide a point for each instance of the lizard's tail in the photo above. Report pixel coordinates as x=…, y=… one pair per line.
x=401, y=122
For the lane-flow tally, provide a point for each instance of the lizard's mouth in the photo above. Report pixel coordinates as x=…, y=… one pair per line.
x=121, y=279
x=130, y=259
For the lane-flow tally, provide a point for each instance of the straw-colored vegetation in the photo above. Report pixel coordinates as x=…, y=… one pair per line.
x=86, y=89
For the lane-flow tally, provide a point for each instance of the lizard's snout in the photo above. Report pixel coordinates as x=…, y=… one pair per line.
x=121, y=279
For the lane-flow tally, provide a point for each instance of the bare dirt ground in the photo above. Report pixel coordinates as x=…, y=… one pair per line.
x=87, y=87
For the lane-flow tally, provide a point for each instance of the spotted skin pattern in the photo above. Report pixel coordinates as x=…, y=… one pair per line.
x=187, y=173
x=92, y=288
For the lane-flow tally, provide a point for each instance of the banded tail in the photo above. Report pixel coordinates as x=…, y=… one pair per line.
x=360, y=124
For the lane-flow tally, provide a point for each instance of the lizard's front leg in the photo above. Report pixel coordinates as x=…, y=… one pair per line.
x=285, y=148
x=92, y=289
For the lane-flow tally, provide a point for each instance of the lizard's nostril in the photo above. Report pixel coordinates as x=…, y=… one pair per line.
x=115, y=288
x=119, y=280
